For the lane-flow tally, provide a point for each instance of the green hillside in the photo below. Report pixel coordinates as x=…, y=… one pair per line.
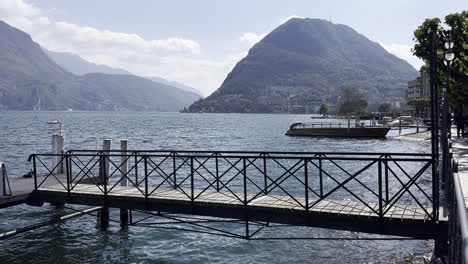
x=304, y=63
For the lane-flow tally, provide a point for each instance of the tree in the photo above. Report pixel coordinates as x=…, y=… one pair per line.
x=458, y=33
x=324, y=109
x=385, y=107
x=351, y=101
x=420, y=106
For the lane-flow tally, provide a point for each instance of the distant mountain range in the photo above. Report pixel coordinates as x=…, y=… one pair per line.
x=304, y=63
x=30, y=80
x=79, y=66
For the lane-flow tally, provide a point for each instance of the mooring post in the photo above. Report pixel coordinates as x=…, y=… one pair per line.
x=399, y=126
x=106, y=151
x=57, y=148
x=124, y=215
x=103, y=214
x=2, y=180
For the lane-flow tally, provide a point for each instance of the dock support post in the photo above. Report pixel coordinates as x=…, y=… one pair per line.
x=57, y=148
x=399, y=126
x=103, y=214
x=124, y=215
x=4, y=184
x=2, y=181
x=103, y=217
x=57, y=161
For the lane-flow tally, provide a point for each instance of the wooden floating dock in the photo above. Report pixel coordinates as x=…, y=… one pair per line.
x=403, y=220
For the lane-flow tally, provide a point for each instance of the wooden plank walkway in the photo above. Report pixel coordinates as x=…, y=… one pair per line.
x=402, y=220
x=225, y=199
x=22, y=188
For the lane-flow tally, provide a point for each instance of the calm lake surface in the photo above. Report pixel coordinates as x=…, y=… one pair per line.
x=81, y=241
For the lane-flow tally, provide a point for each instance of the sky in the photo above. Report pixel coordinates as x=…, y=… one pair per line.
x=199, y=42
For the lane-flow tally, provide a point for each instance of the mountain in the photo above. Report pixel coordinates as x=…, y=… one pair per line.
x=79, y=66
x=30, y=80
x=304, y=63
x=175, y=84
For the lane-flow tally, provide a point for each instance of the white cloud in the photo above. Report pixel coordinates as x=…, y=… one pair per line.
x=251, y=38
x=403, y=51
x=178, y=59
x=285, y=19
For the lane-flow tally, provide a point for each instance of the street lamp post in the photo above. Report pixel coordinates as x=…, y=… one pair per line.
x=449, y=56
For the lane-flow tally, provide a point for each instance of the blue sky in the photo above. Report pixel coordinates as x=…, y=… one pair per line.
x=198, y=42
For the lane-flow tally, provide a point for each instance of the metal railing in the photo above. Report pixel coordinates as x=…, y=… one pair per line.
x=458, y=220
x=333, y=125
x=379, y=182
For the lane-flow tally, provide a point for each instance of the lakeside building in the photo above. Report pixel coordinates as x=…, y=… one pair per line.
x=419, y=87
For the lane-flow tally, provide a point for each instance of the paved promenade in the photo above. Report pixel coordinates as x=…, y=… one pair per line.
x=460, y=153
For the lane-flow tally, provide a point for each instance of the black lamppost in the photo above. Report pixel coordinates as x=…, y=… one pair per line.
x=449, y=56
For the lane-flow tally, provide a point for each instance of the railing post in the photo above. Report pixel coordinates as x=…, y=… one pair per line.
x=387, y=198
x=67, y=173
x=217, y=172
x=104, y=174
x=192, y=191
x=103, y=214
x=145, y=159
x=380, y=188
x=124, y=162
x=244, y=173
x=265, y=178
x=320, y=176
x=34, y=172
x=306, y=185
x=174, y=171
x=136, y=169
x=124, y=212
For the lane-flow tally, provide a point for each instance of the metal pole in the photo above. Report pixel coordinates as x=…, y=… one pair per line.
x=434, y=127
x=306, y=185
x=217, y=172
x=35, y=172
x=2, y=180
x=265, y=179
x=124, y=212
x=386, y=180
x=380, y=189
x=321, y=177
x=244, y=172
x=174, y=169
x=446, y=122
x=192, y=191
x=67, y=173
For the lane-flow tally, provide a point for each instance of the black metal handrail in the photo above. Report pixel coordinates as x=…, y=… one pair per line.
x=377, y=181
x=458, y=220
x=403, y=154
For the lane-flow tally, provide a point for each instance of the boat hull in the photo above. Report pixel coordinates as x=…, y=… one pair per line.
x=372, y=132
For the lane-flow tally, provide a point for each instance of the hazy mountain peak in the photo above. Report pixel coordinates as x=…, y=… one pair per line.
x=30, y=80
x=79, y=66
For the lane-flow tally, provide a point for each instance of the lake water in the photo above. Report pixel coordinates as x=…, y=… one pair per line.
x=81, y=241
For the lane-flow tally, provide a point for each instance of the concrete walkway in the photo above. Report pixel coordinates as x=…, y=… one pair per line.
x=460, y=153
